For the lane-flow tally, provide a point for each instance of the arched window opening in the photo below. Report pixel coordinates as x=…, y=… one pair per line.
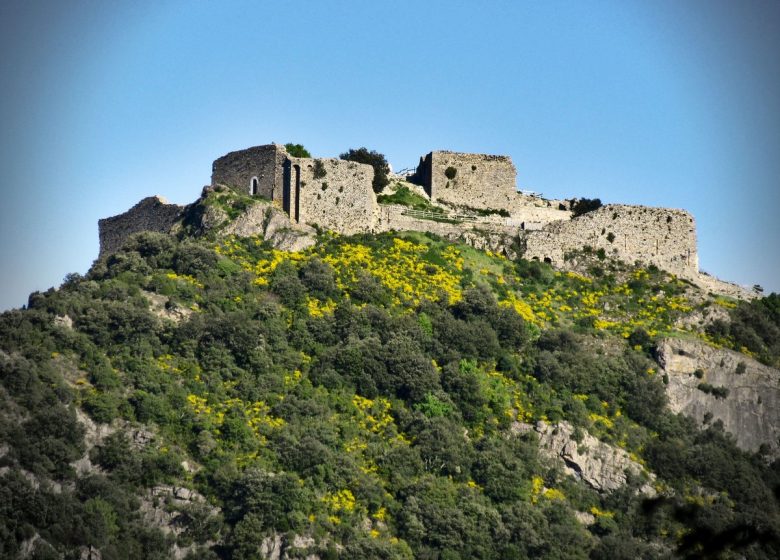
x=253, y=186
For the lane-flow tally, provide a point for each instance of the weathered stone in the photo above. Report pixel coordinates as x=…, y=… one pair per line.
x=63, y=321
x=254, y=171
x=600, y=465
x=275, y=227
x=664, y=237
x=151, y=214
x=750, y=411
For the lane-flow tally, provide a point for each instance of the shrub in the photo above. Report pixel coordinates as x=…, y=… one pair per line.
x=375, y=160
x=450, y=172
x=610, y=237
x=319, y=169
x=580, y=206
x=297, y=150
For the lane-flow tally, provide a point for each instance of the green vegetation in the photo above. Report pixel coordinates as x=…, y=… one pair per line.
x=406, y=197
x=375, y=160
x=297, y=150
x=366, y=393
x=232, y=202
x=450, y=173
x=580, y=206
x=319, y=169
x=754, y=328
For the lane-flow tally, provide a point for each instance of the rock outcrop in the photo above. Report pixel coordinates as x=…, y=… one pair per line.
x=275, y=227
x=600, y=465
x=713, y=384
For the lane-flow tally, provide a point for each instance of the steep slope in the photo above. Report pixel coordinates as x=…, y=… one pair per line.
x=389, y=396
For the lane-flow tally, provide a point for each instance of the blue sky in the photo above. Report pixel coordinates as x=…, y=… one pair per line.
x=663, y=103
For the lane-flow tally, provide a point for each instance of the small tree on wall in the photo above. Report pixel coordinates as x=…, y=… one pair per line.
x=297, y=150
x=375, y=160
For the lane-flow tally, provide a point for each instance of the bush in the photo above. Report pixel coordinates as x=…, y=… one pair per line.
x=580, y=206
x=297, y=150
x=375, y=160
x=320, y=171
x=450, y=172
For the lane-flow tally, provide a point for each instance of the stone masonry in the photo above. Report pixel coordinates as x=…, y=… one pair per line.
x=337, y=195
x=475, y=180
x=151, y=214
x=661, y=236
x=254, y=171
x=332, y=193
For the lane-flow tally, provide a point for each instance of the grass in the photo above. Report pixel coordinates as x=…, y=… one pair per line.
x=405, y=197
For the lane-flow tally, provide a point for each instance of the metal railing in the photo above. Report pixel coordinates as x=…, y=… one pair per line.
x=427, y=215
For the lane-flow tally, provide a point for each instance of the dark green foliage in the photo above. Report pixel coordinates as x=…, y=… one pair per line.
x=754, y=325
x=375, y=160
x=401, y=410
x=580, y=206
x=320, y=172
x=297, y=150
x=450, y=173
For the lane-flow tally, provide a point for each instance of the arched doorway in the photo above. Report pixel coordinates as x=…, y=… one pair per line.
x=253, y=186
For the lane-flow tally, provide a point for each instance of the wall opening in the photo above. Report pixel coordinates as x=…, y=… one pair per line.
x=548, y=260
x=253, y=186
x=286, y=188
x=297, y=193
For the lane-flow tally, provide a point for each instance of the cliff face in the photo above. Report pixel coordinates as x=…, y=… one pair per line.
x=741, y=392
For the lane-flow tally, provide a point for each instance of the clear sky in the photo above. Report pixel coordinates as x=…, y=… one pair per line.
x=665, y=103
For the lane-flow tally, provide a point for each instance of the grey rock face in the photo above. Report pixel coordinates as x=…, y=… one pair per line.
x=598, y=464
x=750, y=411
x=275, y=227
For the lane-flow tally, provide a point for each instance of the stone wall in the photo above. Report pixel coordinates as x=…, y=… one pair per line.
x=151, y=214
x=479, y=180
x=661, y=236
x=255, y=170
x=332, y=193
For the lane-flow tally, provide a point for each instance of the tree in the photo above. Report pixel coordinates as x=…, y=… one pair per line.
x=375, y=160
x=580, y=206
x=297, y=150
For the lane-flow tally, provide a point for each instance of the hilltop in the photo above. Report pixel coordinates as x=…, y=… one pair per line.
x=464, y=197
x=229, y=382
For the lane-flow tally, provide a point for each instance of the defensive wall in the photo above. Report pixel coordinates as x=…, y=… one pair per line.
x=338, y=195
x=151, y=214
x=332, y=193
x=662, y=236
x=473, y=180
x=254, y=171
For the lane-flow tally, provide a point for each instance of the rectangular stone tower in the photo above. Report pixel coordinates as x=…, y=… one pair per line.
x=474, y=180
x=254, y=171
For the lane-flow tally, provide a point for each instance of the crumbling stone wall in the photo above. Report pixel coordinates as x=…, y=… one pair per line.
x=332, y=193
x=256, y=170
x=151, y=214
x=661, y=236
x=475, y=180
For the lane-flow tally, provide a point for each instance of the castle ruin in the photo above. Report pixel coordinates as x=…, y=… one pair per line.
x=476, y=193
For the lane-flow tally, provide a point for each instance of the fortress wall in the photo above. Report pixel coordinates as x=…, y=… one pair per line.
x=341, y=200
x=481, y=181
x=661, y=236
x=237, y=169
x=151, y=214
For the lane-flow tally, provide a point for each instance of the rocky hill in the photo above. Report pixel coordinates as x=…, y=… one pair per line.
x=240, y=386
